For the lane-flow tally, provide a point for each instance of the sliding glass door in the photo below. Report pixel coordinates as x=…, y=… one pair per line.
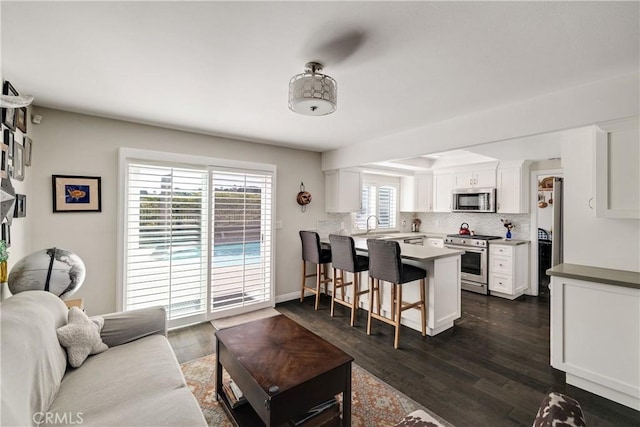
x=197, y=240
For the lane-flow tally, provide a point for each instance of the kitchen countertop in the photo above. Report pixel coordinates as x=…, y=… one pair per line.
x=624, y=278
x=414, y=252
x=510, y=242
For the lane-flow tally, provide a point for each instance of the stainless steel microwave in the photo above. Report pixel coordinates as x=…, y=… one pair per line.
x=474, y=200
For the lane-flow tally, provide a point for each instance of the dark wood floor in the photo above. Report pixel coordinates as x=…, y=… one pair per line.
x=491, y=369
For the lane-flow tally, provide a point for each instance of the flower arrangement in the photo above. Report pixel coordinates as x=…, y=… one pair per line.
x=508, y=225
x=4, y=255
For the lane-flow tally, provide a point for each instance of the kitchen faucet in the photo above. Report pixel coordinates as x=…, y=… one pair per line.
x=377, y=222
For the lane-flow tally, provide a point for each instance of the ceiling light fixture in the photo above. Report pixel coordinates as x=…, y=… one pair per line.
x=15, y=101
x=312, y=93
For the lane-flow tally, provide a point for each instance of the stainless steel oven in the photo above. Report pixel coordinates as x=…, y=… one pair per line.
x=474, y=264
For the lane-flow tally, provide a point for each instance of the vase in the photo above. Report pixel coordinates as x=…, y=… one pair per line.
x=508, y=234
x=3, y=271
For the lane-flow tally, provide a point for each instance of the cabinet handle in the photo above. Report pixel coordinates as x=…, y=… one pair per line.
x=590, y=205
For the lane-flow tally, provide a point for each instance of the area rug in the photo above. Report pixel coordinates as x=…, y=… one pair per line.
x=374, y=403
x=227, y=322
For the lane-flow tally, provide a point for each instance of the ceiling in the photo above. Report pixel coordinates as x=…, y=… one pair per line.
x=222, y=68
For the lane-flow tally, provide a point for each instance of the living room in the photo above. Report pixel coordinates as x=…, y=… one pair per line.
x=111, y=76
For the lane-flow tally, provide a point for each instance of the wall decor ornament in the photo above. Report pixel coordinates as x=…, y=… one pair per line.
x=303, y=198
x=7, y=200
x=76, y=193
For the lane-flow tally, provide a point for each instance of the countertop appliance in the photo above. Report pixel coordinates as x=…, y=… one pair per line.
x=474, y=200
x=474, y=264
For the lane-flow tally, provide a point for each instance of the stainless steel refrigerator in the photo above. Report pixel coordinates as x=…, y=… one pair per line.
x=556, y=236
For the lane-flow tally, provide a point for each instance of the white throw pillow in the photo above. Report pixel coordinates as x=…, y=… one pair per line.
x=81, y=336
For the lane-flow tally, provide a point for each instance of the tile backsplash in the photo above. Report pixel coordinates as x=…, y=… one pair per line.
x=445, y=223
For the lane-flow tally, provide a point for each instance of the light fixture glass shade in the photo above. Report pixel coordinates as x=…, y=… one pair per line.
x=312, y=93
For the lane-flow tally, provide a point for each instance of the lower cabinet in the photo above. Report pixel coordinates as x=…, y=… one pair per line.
x=508, y=270
x=595, y=337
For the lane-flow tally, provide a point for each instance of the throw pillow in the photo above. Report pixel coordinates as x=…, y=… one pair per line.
x=81, y=336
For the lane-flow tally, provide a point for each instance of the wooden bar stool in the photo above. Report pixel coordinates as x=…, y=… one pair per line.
x=345, y=259
x=386, y=265
x=314, y=253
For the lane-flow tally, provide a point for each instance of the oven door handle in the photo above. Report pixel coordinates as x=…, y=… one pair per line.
x=466, y=248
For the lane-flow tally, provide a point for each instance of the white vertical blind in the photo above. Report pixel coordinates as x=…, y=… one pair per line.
x=380, y=200
x=197, y=241
x=166, y=239
x=241, y=236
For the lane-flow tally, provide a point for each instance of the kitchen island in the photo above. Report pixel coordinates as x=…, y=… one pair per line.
x=442, y=286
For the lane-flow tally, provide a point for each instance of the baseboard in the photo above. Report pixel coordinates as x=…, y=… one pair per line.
x=289, y=297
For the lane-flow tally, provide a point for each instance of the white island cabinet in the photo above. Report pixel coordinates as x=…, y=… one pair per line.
x=443, y=286
x=595, y=330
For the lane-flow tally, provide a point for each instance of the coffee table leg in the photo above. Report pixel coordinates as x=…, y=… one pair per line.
x=218, y=371
x=346, y=399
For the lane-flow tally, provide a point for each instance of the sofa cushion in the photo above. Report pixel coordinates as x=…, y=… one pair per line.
x=33, y=362
x=139, y=383
x=81, y=336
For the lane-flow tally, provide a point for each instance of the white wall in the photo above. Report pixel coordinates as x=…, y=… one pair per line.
x=598, y=242
x=75, y=144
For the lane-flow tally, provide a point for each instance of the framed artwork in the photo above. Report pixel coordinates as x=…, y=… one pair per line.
x=20, y=210
x=6, y=234
x=76, y=193
x=28, y=143
x=4, y=161
x=21, y=119
x=17, y=171
x=9, y=114
x=8, y=141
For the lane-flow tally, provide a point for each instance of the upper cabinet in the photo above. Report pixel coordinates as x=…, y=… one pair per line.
x=512, y=189
x=476, y=178
x=616, y=159
x=416, y=193
x=442, y=187
x=343, y=190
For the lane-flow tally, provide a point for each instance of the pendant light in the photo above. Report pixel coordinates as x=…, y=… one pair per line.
x=312, y=93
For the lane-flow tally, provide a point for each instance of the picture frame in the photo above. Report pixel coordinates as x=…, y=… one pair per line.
x=21, y=119
x=17, y=171
x=20, y=210
x=8, y=141
x=73, y=193
x=4, y=161
x=28, y=144
x=9, y=114
x=5, y=234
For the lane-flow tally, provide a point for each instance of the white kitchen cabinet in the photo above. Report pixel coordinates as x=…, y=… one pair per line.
x=416, y=193
x=442, y=187
x=595, y=336
x=616, y=172
x=512, y=190
x=508, y=269
x=480, y=178
x=343, y=190
x=434, y=242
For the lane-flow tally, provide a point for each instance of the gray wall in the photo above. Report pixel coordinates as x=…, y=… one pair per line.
x=75, y=144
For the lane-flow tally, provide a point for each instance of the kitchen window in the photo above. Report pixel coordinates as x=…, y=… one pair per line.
x=196, y=238
x=379, y=198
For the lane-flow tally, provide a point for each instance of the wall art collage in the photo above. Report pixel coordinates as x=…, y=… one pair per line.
x=15, y=155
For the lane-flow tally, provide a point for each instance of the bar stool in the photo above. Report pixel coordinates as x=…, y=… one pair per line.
x=386, y=265
x=345, y=259
x=313, y=252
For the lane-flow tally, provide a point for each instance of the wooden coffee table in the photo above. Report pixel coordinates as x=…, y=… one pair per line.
x=282, y=369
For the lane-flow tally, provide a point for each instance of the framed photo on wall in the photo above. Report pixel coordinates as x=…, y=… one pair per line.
x=76, y=193
x=28, y=144
x=6, y=233
x=21, y=119
x=17, y=171
x=9, y=114
x=8, y=141
x=20, y=210
x=4, y=161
